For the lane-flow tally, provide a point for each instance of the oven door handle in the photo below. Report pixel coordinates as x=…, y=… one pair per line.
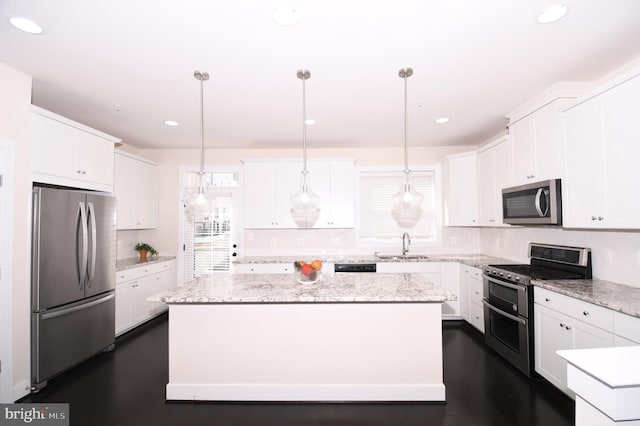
x=503, y=313
x=504, y=283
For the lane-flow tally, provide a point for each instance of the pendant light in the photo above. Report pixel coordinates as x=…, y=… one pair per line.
x=200, y=203
x=305, y=205
x=407, y=202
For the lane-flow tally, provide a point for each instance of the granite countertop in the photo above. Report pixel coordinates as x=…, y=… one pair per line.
x=133, y=262
x=475, y=260
x=618, y=297
x=283, y=288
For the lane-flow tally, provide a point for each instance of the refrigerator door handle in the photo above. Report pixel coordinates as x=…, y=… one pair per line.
x=92, y=218
x=82, y=267
x=50, y=315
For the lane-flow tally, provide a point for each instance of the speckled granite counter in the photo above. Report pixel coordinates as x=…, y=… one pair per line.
x=283, y=288
x=475, y=260
x=133, y=262
x=618, y=297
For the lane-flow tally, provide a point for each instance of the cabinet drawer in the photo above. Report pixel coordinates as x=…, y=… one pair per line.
x=578, y=309
x=627, y=327
x=476, y=316
x=143, y=270
x=281, y=268
x=475, y=291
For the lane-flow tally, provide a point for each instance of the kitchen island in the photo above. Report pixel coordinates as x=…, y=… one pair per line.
x=348, y=337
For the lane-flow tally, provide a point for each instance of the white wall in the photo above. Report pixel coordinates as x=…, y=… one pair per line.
x=615, y=254
x=15, y=128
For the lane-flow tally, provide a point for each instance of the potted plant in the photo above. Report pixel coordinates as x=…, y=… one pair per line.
x=143, y=249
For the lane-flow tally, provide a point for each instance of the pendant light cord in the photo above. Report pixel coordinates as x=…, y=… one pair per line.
x=406, y=127
x=201, y=129
x=304, y=124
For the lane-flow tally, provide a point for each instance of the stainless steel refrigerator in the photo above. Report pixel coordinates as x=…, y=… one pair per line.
x=73, y=279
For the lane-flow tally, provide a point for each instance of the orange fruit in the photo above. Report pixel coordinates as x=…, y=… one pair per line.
x=316, y=265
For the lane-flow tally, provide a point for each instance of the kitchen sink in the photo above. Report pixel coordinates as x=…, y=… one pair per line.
x=400, y=256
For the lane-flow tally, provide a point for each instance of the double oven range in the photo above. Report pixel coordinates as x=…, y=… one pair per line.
x=508, y=298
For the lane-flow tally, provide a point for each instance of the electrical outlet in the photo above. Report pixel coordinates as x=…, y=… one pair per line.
x=454, y=241
x=300, y=242
x=273, y=242
x=249, y=236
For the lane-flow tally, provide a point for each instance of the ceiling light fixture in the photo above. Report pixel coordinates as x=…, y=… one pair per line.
x=407, y=202
x=285, y=16
x=552, y=13
x=171, y=123
x=200, y=203
x=442, y=120
x=305, y=204
x=26, y=25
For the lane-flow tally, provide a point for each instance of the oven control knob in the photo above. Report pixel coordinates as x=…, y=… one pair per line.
x=502, y=274
x=517, y=278
x=508, y=277
x=515, y=308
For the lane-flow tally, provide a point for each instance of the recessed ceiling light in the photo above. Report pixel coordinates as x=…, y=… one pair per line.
x=26, y=25
x=442, y=120
x=285, y=16
x=171, y=123
x=310, y=122
x=552, y=13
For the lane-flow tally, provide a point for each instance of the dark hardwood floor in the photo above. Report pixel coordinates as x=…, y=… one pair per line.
x=127, y=386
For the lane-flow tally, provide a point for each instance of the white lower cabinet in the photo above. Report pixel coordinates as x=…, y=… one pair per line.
x=272, y=268
x=134, y=286
x=562, y=322
x=471, y=295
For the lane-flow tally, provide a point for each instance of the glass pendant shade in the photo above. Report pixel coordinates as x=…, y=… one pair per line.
x=305, y=204
x=199, y=202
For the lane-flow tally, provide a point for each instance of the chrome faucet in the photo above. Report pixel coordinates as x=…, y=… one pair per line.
x=406, y=242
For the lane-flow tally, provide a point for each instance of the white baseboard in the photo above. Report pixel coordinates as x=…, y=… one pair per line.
x=300, y=392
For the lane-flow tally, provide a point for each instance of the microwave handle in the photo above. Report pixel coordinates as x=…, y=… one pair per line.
x=541, y=192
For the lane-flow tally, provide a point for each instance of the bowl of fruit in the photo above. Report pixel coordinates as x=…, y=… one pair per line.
x=307, y=273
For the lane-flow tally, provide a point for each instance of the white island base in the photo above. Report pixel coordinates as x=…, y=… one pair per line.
x=306, y=352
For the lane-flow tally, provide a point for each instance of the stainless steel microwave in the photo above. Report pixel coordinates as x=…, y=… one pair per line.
x=537, y=203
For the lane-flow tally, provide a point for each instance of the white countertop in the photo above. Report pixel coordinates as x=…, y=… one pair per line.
x=615, y=367
x=284, y=288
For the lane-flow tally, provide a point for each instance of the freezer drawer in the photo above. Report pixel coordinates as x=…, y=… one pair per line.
x=64, y=337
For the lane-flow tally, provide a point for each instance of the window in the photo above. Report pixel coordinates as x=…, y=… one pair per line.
x=376, y=223
x=208, y=240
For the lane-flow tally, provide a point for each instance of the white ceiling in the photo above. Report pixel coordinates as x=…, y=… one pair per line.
x=473, y=61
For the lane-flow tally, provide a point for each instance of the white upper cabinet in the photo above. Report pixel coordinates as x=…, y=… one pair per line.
x=269, y=185
x=537, y=145
x=136, y=189
x=70, y=154
x=494, y=174
x=460, y=181
x=602, y=137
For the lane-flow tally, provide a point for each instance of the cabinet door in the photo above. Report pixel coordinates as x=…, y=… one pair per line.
x=465, y=274
x=146, y=199
x=123, y=306
x=94, y=158
x=584, y=186
x=450, y=281
x=621, y=118
x=287, y=183
x=503, y=176
x=53, y=147
x=476, y=316
x=586, y=336
x=486, y=185
x=551, y=335
x=549, y=143
x=259, y=195
x=342, y=190
x=523, y=137
x=461, y=190
x=124, y=190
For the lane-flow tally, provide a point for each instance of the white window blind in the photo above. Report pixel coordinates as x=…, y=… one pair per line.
x=376, y=191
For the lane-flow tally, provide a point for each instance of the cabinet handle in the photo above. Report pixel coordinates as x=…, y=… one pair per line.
x=546, y=299
x=568, y=328
x=561, y=325
x=600, y=218
x=585, y=313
